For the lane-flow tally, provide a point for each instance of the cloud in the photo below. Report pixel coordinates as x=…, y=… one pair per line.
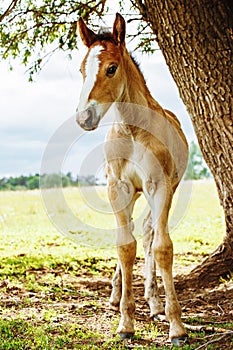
x=31, y=112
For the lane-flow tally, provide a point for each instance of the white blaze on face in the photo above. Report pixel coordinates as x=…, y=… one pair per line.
x=91, y=71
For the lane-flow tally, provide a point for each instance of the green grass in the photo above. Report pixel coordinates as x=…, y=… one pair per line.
x=44, y=301
x=26, y=229
x=21, y=335
x=18, y=334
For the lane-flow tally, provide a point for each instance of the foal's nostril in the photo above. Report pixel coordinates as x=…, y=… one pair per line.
x=90, y=112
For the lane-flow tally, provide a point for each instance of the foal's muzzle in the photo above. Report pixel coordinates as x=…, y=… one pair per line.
x=88, y=119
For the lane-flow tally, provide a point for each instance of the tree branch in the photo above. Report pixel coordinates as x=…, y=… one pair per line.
x=9, y=10
x=199, y=328
x=134, y=19
x=141, y=7
x=227, y=334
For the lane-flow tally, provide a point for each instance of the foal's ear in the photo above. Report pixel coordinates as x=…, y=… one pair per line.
x=87, y=35
x=119, y=29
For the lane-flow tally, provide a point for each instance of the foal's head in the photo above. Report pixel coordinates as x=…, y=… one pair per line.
x=103, y=72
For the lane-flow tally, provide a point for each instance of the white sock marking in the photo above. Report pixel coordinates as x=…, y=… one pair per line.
x=91, y=70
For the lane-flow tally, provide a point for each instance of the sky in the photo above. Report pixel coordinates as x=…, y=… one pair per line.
x=31, y=114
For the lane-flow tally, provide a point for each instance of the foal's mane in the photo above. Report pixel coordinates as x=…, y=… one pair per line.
x=105, y=36
x=108, y=36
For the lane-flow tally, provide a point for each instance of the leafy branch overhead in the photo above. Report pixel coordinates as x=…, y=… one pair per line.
x=32, y=31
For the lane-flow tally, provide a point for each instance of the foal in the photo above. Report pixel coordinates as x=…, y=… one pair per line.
x=145, y=152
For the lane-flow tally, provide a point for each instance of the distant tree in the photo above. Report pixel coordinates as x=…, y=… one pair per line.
x=15, y=183
x=69, y=176
x=66, y=180
x=50, y=181
x=197, y=168
x=86, y=180
x=33, y=182
x=91, y=180
x=3, y=183
x=54, y=180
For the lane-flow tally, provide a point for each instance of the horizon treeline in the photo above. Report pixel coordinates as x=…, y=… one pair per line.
x=36, y=181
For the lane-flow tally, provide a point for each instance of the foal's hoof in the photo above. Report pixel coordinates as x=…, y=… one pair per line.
x=114, y=307
x=155, y=318
x=159, y=317
x=126, y=335
x=179, y=341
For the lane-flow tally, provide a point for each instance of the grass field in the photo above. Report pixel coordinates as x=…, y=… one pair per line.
x=54, y=290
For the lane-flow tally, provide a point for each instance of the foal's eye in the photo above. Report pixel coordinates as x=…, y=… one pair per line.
x=111, y=71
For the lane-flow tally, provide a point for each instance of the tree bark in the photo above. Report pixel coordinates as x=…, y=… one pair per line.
x=196, y=39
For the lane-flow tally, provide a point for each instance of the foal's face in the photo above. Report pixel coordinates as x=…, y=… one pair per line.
x=103, y=83
x=102, y=70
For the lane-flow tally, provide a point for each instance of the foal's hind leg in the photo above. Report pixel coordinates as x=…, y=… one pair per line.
x=151, y=288
x=160, y=202
x=115, y=297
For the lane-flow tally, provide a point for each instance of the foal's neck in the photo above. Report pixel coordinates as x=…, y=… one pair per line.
x=136, y=90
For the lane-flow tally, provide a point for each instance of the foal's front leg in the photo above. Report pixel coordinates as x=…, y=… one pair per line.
x=160, y=202
x=127, y=255
x=121, y=195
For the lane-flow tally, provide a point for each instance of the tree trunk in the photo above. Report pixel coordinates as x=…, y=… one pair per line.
x=196, y=39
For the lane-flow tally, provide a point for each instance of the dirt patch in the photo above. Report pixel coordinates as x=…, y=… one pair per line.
x=83, y=299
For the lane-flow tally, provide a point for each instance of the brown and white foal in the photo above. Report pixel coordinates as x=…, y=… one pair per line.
x=146, y=151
